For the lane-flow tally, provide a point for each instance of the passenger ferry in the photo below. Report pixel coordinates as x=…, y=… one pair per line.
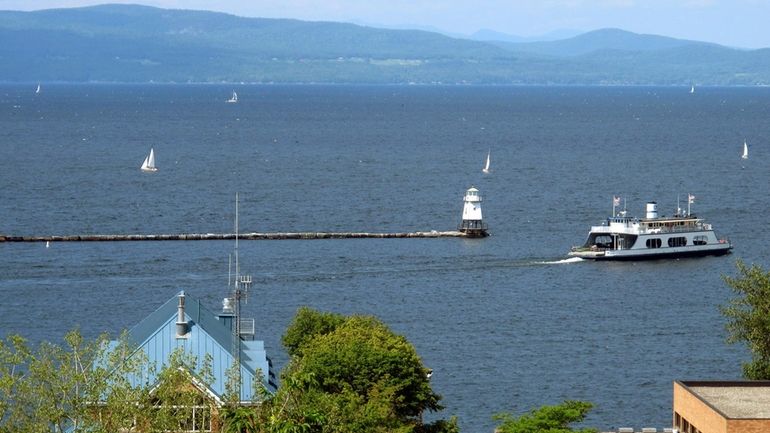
x=624, y=238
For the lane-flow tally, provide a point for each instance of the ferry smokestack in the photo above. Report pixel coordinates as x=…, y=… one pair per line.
x=652, y=210
x=181, y=323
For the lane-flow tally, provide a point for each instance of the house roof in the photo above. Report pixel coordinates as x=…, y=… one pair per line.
x=206, y=334
x=734, y=399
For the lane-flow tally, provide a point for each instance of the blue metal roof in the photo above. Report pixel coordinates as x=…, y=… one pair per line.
x=156, y=336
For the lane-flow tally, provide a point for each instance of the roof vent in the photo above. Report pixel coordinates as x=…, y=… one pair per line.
x=182, y=327
x=227, y=306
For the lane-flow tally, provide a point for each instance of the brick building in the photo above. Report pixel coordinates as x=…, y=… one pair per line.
x=722, y=406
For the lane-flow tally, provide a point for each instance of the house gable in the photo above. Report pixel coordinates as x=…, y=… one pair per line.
x=206, y=337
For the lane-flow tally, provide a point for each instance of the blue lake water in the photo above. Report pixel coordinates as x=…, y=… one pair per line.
x=505, y=323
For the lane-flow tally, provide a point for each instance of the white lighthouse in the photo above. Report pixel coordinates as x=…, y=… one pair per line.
x=473, y=224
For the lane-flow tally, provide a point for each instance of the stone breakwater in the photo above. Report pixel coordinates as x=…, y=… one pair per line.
x=231, y=236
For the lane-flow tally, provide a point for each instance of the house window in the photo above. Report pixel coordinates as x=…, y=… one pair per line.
x=191, y=419
x=200, y=421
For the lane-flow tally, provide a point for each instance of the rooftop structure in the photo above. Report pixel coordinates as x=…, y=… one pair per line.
x=722, y=406
x=184, y=323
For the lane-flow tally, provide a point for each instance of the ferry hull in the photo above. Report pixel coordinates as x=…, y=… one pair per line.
x=629, y=255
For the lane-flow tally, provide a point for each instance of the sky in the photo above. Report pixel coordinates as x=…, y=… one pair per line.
x=735, y=23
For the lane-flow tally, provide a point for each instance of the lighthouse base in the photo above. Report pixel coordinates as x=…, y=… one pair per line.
x=474, y=233
x=473, y=229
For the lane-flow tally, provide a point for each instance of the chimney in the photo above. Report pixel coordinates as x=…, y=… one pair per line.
x=181, y=323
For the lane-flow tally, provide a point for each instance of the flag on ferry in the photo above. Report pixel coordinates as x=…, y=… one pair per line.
x=615, y=201
x=690, y=198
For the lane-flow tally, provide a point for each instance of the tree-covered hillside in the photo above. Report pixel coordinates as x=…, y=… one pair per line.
x=128, y=43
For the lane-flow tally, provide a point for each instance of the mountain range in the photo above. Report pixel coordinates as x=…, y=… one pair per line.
x=130, y=43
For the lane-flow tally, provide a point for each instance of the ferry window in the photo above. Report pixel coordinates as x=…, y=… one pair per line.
x=603, y=241
x=653, y=243
x=677, y=242
x=700, y=240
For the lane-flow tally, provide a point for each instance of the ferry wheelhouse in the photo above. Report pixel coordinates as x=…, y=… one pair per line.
x=624, y=238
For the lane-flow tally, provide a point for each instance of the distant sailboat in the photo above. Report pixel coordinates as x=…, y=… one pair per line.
x=149, y=162
x=486, y=166
x=692, y=88
x=38, y=88
x=745, y=150
x=233, y=98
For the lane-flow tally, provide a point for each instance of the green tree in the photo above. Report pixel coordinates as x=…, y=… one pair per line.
x=364, y=356
x=97, y=387
x=547, y=419
x=307, y=325
x=14, y=355
x=748, y=315
x=239, y=419
x=346, y=374
x=236, y=417
x=114, y=404
x=351, y=374
x=50, y=387
x=297, y=407
x=177, y=400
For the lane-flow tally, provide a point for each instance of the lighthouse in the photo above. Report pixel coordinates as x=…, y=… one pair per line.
x=473, y=225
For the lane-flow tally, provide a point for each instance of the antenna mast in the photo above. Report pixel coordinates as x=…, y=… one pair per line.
x=240, y=292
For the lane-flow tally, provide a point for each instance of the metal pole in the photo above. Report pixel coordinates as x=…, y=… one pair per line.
x=237, y=308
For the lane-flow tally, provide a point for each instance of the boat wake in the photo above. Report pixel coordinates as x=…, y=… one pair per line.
x=562, y=261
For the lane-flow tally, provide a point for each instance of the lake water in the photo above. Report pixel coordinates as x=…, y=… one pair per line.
x=505, y=322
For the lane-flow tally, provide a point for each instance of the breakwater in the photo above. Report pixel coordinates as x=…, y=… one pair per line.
x=231, y=236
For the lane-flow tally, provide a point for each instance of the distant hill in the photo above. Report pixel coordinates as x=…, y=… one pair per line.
x=604, y=39
x=129, y=43
x=491, y=35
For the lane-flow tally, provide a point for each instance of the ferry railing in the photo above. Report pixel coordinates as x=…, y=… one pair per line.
x=678, y=229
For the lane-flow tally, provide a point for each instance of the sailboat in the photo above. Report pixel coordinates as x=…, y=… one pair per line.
x=149, y=162
x=745, y=150
x=486, y=166
x=692, y=88
x=38, y=88
x=233, y=98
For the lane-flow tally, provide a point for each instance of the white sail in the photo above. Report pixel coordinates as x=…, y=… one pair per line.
x=38, y=88
x=149, y=162
x=486, y=166
x=233, y=98
x=692, y=89
x=745, y=150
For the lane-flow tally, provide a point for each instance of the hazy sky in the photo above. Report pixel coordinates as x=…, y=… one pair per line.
x=739, y=23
